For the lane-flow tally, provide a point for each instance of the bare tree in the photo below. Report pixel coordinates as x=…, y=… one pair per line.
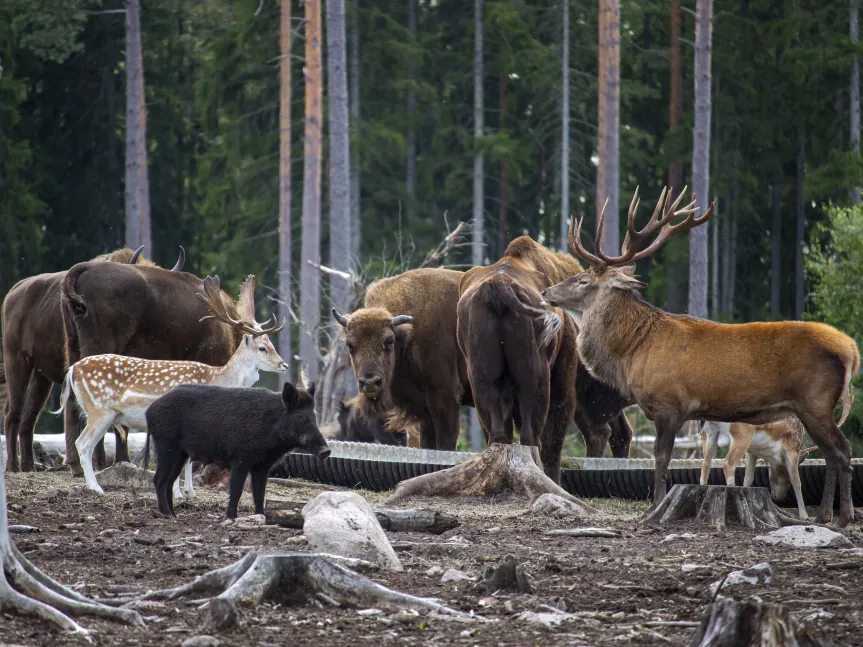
x=356, y=218
x=564, y=131
x=607, y=171
x=800, y=237
x=503, y=185
x=411, y=162
x=675, y=107
x=310, y=298
x=855, y=90
x=776, y=244
x=339, y=185
x=701, y=157
x=285, y=240
x=478, y=161
x=138, y=231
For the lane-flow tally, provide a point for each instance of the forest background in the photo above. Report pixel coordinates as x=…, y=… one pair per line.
x=425, y=149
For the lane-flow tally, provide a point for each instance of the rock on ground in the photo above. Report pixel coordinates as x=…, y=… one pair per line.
x=759, y=574
x=806, y=537
x=343, y=523
x=125, y=475
x=556, y=506
x=201, y=641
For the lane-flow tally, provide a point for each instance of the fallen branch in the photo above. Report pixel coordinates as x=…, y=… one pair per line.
x=288, y=514
x=585, y=532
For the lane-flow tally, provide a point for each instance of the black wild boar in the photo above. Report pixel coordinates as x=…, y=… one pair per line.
x=246, y=429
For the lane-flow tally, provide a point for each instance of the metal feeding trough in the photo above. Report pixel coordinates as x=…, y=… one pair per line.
x=382, y=467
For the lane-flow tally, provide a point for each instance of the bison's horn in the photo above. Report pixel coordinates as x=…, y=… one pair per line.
x=342, y=319
x=180, y=261
x=135, y=255
x=401, y=319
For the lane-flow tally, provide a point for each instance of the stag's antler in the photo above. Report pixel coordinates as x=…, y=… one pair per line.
x=214, y=302
x=635, y=240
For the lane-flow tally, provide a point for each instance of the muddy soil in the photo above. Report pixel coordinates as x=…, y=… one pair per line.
x=620, y=590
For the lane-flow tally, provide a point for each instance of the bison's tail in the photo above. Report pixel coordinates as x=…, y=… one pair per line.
x=70, y=291
x=64, y=394
x=848, y=390
x=549, y=322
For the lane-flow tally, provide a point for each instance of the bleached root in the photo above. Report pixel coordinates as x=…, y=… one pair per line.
x=498, y=469
x=292, y=577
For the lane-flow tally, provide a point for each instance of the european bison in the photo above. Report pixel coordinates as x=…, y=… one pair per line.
x=517, y=354
x=356, y=429
x=249, y=429
x=143, y=312
x=34, y=349
x=404, y=353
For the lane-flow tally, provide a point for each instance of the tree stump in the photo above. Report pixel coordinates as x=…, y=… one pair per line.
x=26, y=590
x=729, y=623
x=499, y=468
x=716, y=506
x=293, y=578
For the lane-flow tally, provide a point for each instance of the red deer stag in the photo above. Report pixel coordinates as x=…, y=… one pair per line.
x=116, y=389
x=680, y=368
x=34, y=353
x=143, y=312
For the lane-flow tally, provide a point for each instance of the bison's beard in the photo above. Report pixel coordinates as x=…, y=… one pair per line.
x=374, y=408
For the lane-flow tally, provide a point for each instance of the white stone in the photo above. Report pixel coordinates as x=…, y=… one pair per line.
x=434, y=570
x=545, y=618
x=556, y=506
x=344, y=523
x=201, y=641
x=675, y=536
x=805, y=537
x=454, y=575
x=759, y=574
x=693, y=568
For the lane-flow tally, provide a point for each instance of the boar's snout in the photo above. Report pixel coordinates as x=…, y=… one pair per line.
x=323, y=453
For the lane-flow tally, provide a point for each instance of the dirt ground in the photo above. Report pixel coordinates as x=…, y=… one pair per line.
x=615, y=587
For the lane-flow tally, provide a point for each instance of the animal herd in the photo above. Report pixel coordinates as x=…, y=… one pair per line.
x=534, y=341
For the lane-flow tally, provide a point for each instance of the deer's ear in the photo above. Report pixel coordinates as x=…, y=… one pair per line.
x=247, y=340
x=623, y=281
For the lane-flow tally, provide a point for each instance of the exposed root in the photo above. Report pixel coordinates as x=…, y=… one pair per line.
x=497, y=469
x=717, y=506
x=292, y=578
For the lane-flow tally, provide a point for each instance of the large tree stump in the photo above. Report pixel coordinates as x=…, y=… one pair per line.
x=293, y=578
x=499, y=468
x=716, y=506
x=729, y=623
x=26, y=590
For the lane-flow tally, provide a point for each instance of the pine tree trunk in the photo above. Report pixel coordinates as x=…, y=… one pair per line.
x=701, y=158
x=725, y=227
x=855, y=90
x=675, y=170
x=733, y=282
x=607, y=171
x=503, y=189
x=285, y=239
x=411, y=163
x=339, y=185
x=137, y=180
x=776, y=246
x=311, y=242
x=356, y=212
x=478, y=247
x=564, y=132
x=714, y=265
x=800, y=237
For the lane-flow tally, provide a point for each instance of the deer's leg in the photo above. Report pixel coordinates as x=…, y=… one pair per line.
x=667, y=426
x=837, y=455
x=121, y=444
x=749, y=470
x=98, y=423
x=791, y=465
x=188, y=486
x=709, y=440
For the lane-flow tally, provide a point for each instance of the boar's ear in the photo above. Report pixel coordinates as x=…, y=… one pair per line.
x=311, y=389
x=290, y=396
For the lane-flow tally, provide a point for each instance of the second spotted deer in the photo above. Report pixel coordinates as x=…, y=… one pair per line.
x=115, y=389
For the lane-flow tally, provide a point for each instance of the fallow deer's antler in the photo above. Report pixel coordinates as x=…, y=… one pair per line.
x=635, y=239
x=214, y=302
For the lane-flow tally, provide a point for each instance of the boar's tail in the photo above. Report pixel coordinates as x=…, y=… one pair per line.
x=64, y=394
x=146, y=464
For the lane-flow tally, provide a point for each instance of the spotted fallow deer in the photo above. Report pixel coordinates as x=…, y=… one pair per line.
x=779, y=444
x=680, y=368
x=115, y=389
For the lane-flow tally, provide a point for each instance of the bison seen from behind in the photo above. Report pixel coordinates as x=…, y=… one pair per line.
x=680, y=368
x=248, y=429
x=353, y=427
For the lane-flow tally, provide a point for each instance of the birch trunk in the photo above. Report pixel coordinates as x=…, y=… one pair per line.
x=855, y=90
x=339, y=185
x=478, y=246
x=701, y=158
x=311, y=242
x=137, y=177
x=285, y=239
x=607, y=179
x=776, y=246
x=411, y=162
x=356, y=217
x=800, y=237
x=564, y=133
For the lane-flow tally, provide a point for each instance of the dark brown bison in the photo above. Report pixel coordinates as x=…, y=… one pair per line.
x=404, y=353
x=144, y=312
x=34, y=352
x=517, y=354
x=354, y=428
